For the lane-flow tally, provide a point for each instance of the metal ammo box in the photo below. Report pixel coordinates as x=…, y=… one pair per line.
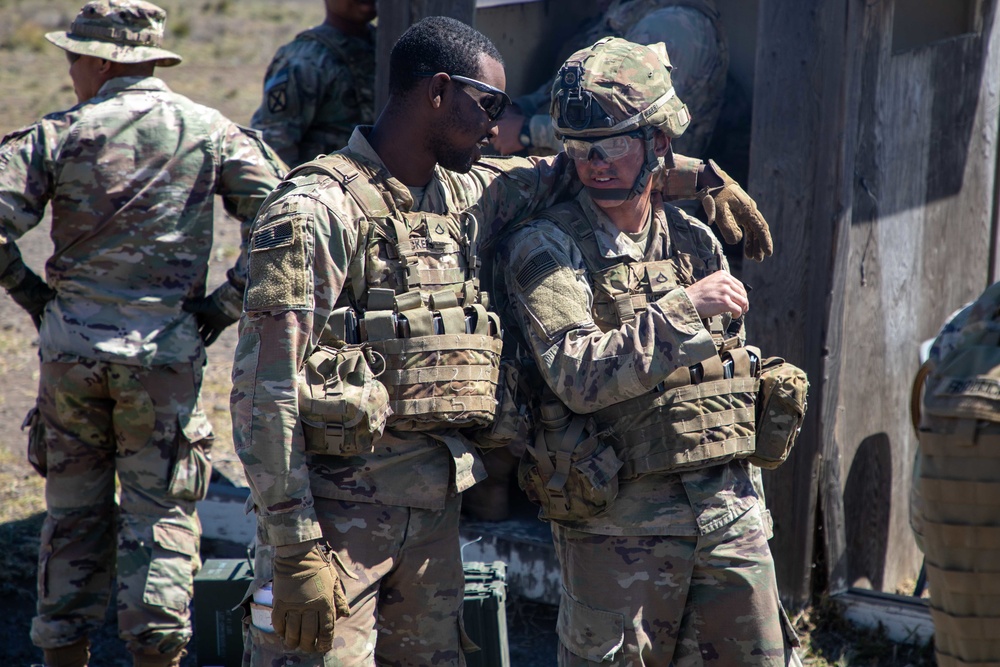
x=218, y=631
x=485, y=613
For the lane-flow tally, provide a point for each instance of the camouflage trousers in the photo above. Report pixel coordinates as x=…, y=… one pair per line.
x=402, y=573
x=647, y=601
x=101, y=419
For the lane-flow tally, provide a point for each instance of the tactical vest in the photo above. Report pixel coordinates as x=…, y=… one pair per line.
x=955, y=499
x=414, y=282
x=698, y=416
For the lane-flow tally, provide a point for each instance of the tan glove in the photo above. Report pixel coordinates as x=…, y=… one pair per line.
x=735, y=213
x=308, y=597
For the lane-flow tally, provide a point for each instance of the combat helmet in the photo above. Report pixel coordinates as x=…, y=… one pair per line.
x=617, y=87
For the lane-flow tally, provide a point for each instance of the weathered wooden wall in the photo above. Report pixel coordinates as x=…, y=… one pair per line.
x=877, y=170
x=395, y=16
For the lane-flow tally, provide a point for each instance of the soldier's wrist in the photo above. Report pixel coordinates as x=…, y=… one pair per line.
x=293, y=550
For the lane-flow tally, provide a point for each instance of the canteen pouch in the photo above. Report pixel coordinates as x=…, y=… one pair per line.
x=569, y=470
x=37, y=456
x=343, y=406
x=781, y=407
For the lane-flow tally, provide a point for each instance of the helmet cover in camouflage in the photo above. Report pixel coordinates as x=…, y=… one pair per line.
x=122, y=31
x=616, y=86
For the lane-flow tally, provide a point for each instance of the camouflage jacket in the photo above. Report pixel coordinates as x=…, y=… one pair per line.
x=132, y=176
x=589, y=368
x=288, y=311
x=317, y=89
x=697, y=49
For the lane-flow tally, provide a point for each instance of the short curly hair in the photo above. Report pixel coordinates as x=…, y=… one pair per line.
x=437, y=44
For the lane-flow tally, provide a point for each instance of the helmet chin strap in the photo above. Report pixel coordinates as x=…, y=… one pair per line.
x=649, y=165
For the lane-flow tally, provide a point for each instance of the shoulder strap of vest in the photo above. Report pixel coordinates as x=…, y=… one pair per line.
x=570, y=217
x=362, y=188
x=681, y=233
x=372, y=199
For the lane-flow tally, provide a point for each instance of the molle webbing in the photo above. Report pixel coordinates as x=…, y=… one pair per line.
x=687, y=425
x=440, y=345
x=444, y=380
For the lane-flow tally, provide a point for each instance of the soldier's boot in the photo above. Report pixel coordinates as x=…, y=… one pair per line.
x=158, y=659
x=490, y=499
x=74, y=655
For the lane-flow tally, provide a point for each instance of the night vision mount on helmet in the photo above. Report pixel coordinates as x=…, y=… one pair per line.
x=616, y=87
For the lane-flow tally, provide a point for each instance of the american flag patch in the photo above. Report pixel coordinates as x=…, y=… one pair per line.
x=535, y=270
x=272, y=236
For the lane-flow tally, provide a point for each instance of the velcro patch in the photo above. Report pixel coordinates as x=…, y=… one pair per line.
x=535, y=269
x=272, y=236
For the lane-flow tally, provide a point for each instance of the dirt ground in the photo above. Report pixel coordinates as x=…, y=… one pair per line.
x=226, y=45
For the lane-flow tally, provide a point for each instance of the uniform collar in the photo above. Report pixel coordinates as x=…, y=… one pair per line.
x=132, y=83
x=611, y=242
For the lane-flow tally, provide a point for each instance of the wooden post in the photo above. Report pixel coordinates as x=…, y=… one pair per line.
x=874, y=157
x=798, y=160
x=394, y=17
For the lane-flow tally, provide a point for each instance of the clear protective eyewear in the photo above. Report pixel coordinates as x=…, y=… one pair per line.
x=608, y=148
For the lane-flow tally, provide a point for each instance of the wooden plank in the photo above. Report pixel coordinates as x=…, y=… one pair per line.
x=906, y=620
x=797, y=164
x=394, y=17
x=919, y=240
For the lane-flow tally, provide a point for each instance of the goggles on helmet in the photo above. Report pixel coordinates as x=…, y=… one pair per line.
x=608, y=148
x=494, y=102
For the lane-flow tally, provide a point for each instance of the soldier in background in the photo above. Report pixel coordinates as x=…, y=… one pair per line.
x=620, y=299
x=321, y=85
x=698, y=53
x=130, y=174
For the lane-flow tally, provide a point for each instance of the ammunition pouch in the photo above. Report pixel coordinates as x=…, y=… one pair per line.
x=569, y=470
x=781, y=407
x=685, y=425
x=342, y=405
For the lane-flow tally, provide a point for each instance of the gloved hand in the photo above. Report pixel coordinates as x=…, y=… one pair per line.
x=308, y=597
x=211, y=317
x=735, y=213
x=31, y=293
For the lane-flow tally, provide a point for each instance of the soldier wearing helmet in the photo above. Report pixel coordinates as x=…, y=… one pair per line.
x=626, y=308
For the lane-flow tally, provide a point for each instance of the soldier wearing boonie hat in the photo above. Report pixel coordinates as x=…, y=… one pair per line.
x=123, y=31
x=130, y=176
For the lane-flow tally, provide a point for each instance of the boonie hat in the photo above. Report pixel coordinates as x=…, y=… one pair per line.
x=123, y=31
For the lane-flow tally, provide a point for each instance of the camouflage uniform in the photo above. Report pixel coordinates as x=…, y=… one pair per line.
x=662, y=545
x=697, y=48
x=650, y=577
x=391, y=516
x=955, y=495
x=316, y=90
x=131, y=176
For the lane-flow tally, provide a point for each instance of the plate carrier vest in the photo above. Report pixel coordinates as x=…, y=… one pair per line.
x=419, y=306
x=697, y=417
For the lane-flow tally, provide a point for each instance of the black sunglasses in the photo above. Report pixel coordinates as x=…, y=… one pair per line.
x=494, y=103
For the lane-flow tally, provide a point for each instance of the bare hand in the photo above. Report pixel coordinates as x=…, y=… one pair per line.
x=508, y=139
x=717, y=294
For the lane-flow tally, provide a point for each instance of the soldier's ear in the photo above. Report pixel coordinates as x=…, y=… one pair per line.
x=436, y=89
